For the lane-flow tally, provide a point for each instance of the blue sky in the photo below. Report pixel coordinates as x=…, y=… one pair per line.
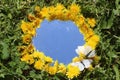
x=58, y=39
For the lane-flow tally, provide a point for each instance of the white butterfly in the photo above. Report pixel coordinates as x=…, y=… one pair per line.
x=83, y=64
x=87, y=50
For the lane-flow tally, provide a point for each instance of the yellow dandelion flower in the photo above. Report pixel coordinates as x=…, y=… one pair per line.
x=31, y=17
x=73, y=71
x=24, y=52
x=93, y=41
x=31, y=60
x=67, y=15
x=21, y=48
x=27, y=28
x=46, y=67
x=44, y=12
x=36, y=23
x=59, y=6
x=37, y=9
x=95, y=38
x=32, y=32
x=70, y=16
x=23, y=26
x=76, y=59
x=27, y=38
x=27, y=58
x=74, y=9
x=89, y=34
x=52, y=17
x=39, y=15
x=56, y=63
x=48, y=59
x=91, y=22
x=84, y=29
x=39, y=65
x=27, y=49
x=80, y=21
x=39, y=55
x=51, y=10
x=52, y=70
x=30, y=48
x=59, y=9
x=52, y=13
x=62, y=68
x=56, y=12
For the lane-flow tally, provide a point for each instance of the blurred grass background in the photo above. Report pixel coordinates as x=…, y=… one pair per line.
x=107, y=14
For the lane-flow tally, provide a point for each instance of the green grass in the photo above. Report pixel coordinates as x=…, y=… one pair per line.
x=107, y=14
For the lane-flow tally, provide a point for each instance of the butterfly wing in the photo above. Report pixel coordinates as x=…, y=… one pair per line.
x=87, y=62
x=79, y=65
x=91, y=54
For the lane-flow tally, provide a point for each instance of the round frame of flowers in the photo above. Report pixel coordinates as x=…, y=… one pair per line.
x=86, y=53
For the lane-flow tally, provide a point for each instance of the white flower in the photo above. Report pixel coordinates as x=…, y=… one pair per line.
x=86, y=50
x=83, y=64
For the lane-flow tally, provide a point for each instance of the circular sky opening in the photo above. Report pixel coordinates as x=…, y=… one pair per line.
x=58, y=39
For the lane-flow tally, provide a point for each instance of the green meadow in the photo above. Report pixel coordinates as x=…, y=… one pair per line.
x=107, y=16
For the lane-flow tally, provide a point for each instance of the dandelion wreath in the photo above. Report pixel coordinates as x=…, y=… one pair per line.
x=86, y=53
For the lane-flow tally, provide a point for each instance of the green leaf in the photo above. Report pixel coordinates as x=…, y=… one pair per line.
x=115, y=67
x=2, y=72
x=32, y=73
x=103, y=23
x=110, y=20
x=5, y=53
x=2, y=76
x=19, y=71
x=116, y=12
x=56, y=78
x=10, y=16
x=26, y=67
x=117, y=3
x=12, y=64
x=21, y=65
x=112, y=54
